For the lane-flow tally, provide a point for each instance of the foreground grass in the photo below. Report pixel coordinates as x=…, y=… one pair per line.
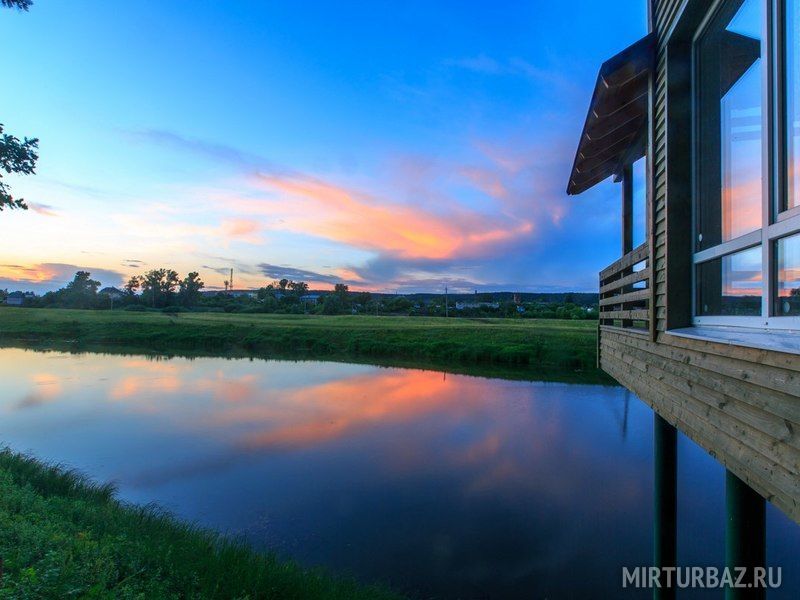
x=537, y=346
x=62, y=536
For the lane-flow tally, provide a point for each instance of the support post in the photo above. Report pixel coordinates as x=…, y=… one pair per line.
x=627, y=209
x=745, y=534
x=665, y=500
x=627, y=229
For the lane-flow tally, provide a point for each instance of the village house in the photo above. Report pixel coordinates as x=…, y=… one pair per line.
x=18, y=298
x=461, y=305
x=112, y=292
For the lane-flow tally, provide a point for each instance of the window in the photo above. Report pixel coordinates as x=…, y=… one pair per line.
x=639, y=190
x=747, y=203
x=791, y=133
x=731, y=285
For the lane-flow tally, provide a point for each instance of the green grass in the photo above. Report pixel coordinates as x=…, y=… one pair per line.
x=504, y=347
x=62, y=536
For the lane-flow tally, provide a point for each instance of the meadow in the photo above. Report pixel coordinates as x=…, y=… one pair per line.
x=516, y=347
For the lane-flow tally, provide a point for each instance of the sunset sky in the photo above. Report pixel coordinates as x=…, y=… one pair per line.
x=391, y=146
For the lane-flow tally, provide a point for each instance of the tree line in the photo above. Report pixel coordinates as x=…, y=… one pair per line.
x=166, y=290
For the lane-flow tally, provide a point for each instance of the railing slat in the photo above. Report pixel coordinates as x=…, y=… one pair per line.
x=632, y=315
x=619, y=301
x=635, y=296
x=631, y=258
x=636, y=277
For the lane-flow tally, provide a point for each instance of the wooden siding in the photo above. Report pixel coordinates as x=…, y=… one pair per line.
x=664, y=13
x=739, y=404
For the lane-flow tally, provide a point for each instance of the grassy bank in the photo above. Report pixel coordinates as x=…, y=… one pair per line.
x=62, y=537
x=535, y=346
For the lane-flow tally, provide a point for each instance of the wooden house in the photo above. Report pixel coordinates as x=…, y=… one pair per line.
x=699, y=123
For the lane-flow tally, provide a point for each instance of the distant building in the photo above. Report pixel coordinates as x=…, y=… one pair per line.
x=18, y=298
x=112, y=293
x=310, y=298
x=461, y=305
x=233, y=293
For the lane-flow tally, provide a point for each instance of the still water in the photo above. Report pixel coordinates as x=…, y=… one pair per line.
x=444, y=486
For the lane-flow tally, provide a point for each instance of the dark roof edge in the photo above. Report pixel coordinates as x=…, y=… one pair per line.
x=643, y=49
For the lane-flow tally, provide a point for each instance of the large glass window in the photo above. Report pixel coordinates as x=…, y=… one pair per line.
x=639, y=171
x=792, y=122
x=730, y=72
x=747, y=251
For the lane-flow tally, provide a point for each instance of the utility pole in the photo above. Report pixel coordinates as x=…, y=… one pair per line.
x=446, y=308
x=231, y=279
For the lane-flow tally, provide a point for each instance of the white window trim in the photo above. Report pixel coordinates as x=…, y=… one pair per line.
x=779, y=224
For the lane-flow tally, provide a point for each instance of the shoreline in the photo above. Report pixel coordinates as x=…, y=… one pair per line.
x=62, y=534
x=544, y=350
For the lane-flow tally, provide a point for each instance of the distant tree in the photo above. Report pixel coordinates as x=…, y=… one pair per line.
x=169, y=282
x=150, y=285
x=83, y=283
x=283, y=284
x=81, y=292
x=298, y=288
x=364, y=298
x=158, y=286
x=16, y=156
x=341, y=290
x=133, y=285
x=18, y=4
x=332, y=305
x=399, y=304
x=189, y=289
x=265, y=292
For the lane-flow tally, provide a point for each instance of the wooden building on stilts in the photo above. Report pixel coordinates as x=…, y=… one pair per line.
x=699, y=122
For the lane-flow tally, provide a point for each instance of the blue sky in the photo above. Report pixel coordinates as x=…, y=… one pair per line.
x=393, y=146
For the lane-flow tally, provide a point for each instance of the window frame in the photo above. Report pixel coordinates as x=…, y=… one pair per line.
x=776, y=223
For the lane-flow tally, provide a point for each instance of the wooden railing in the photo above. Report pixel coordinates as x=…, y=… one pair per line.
x=625, y=291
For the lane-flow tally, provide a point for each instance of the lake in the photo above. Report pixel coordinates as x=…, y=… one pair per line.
x=440, y=485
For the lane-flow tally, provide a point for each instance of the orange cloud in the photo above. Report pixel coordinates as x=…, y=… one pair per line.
x=335, y=212
x=29, y=274
x=242, y=229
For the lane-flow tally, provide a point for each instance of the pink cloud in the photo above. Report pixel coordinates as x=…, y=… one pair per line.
x=245, y=230
x=43, y=209
x=332, y=211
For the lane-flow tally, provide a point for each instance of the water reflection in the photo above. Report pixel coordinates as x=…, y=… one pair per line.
x=446, y=486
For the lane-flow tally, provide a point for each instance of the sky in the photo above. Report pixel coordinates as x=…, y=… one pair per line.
x=395, y=147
